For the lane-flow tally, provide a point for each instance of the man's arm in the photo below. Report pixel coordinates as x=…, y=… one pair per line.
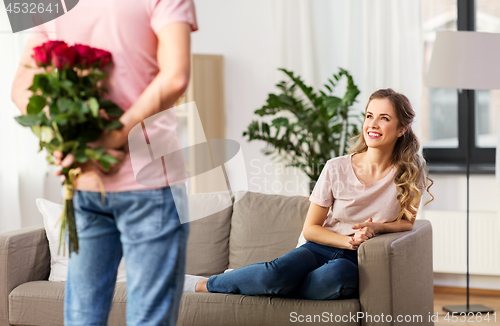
x=24, y=77
x=174, y=60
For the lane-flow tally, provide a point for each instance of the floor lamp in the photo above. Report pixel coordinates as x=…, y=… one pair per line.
x=465, y=60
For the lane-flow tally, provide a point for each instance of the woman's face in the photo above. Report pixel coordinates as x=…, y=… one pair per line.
x=380, y=128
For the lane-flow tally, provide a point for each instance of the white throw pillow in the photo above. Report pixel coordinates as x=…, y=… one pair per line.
x=302, y=240
x=51, y=213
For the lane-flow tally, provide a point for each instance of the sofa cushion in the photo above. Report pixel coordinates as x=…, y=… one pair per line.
x=59, y=260
x=208, y=242
x=201, y=309
x=42, y=303
x=264, y=227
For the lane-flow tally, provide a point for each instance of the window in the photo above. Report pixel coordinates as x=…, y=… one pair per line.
x=446, y=112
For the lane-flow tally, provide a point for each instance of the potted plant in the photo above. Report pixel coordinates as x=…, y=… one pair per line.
x=309, y=127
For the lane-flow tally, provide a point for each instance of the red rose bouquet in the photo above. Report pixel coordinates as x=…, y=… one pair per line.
x=64, y=113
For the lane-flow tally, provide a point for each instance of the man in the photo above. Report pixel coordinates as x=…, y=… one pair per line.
x=150, y=44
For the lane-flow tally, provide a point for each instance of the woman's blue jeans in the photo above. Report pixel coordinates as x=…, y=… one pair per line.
x=145, y=228
x=312, y=271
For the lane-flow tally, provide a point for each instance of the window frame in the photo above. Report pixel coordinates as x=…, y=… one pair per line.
x=453, y=160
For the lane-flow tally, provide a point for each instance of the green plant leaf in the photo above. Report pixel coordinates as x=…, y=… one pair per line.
x=36, y=104
x=93, y=155
x=110, y=159
x=68, y=86
x=61, y=119
x=314, y=133
x=57, y=134
x=99, y=151
x=28, y=120
x=104, y=164
x=68, y=146
x=96, y=75
x=81, y=158
x=111, y=109
x=84, y=108
x=63, y=104
x=116, y=124
x=94, y=106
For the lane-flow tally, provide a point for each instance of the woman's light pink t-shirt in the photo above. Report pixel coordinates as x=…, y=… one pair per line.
x=351, y=201
x=128, y=29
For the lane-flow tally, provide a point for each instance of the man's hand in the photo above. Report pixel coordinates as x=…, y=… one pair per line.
x=68, y=160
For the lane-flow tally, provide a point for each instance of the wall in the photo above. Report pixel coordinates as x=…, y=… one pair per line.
x=242, y=32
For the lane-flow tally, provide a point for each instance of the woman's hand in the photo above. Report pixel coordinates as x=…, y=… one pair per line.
x=362, y=234
x=369, y=228
x=353, y=243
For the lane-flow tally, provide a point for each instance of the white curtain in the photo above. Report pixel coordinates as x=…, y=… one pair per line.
x=378, y=41
x=22, y=169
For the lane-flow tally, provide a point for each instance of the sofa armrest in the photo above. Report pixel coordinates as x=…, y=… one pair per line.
x=396, y=276
x=24, y=257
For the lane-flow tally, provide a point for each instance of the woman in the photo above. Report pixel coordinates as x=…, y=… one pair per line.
x=374, y=189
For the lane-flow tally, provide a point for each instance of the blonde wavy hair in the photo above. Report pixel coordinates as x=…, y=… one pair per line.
x=412, y=172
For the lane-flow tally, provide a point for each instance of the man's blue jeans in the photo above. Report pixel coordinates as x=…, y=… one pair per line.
x=145, y=228
x=312, y=271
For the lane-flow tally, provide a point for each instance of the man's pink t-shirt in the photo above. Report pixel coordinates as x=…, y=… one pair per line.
x=128, y=29
x=351, y=201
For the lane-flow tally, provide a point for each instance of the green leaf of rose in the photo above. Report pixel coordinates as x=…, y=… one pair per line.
x=99, y=151
x=61, y=119
x=69, y=146
x=110, y=159
x=81, y=158
x=84, y=108
x=36, y=82
x=68, y=86
x=94, y=107
x=28, y=120
x=111, y=109
x=91, y=154
x=36, y=104
x=114, y=125
x=63, y=104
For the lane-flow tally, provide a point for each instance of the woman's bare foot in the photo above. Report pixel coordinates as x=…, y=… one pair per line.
x=201, y=286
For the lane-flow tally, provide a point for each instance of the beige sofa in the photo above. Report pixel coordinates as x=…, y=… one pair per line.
x=396, y=278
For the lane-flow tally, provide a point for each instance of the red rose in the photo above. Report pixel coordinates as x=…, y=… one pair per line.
x=42, y=53
x=63, y=56
x=85, y=57
x=50, y=45
x=41, y=56
x=101, y=57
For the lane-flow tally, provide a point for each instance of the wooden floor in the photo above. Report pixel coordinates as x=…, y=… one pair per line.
x=447, y=298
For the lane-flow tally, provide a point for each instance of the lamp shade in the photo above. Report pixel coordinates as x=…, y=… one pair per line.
x=465, y=60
